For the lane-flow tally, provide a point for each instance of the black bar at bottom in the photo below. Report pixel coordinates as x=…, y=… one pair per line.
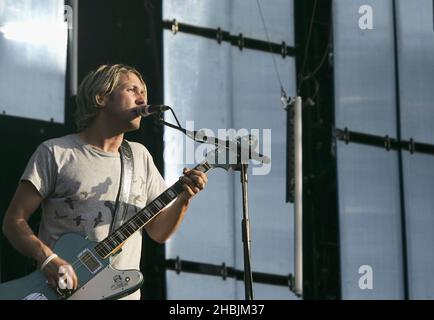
x=225, y=272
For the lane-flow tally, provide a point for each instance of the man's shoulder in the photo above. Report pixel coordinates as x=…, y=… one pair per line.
x=62, y=142
x=138, y=148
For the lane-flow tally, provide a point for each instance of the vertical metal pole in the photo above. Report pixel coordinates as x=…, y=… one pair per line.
x=73, y=46
x=298, y=199
x=248, y=279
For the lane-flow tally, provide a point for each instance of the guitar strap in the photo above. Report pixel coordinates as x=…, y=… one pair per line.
x=125, y=184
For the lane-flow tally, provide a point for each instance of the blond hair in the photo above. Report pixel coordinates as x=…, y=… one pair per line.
x=94, y=87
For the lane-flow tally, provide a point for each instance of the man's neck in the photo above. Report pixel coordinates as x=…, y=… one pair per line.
x=102, y=139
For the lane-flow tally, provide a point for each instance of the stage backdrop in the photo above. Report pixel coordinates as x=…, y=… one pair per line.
x=384, y=71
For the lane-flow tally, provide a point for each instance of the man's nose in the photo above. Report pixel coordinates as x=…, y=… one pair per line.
x=140, y=99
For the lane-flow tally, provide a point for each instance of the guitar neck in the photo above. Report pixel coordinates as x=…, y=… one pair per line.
x=114, y=241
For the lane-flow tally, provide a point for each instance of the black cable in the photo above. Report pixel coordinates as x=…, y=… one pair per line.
x=309, y=35
x=269, y=44
x=174, y=115
x=323, y=59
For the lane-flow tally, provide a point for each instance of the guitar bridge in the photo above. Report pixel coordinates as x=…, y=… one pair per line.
x=64, y=293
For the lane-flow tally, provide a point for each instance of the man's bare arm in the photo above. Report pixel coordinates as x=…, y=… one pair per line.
x=15, y=224
x=17, y=230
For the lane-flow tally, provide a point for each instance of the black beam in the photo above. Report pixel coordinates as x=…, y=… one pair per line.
x=383, y=142
x=225, y=272
x=224, y=36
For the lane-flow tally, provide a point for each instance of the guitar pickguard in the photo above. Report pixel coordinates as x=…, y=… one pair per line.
x=109, y=283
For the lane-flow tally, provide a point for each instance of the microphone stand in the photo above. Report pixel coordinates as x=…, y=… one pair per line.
x=242, y=167
x=245, y=229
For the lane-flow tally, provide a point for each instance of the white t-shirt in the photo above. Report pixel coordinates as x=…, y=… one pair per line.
x=79, y=185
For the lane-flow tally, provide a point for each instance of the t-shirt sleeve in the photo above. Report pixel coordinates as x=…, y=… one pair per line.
x=41, y=171
x=155, y=183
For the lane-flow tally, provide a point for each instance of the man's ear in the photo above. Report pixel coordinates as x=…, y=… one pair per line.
x=101, y=100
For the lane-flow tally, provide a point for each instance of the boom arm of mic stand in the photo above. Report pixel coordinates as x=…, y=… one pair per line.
x=199, y=137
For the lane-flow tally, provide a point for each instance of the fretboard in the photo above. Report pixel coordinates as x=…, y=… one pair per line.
x=110, y=244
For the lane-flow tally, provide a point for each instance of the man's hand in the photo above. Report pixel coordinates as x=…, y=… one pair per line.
x=194, y=182
x=60, y=274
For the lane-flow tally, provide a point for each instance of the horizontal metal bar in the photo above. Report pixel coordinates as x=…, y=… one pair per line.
x=225, y=272
x=236, y=40
x=383, y=142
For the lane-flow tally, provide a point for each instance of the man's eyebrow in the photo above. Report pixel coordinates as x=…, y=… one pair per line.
x=135, y=86
x=140, y=87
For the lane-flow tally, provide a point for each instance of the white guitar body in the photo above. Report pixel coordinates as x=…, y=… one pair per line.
x=109, y=283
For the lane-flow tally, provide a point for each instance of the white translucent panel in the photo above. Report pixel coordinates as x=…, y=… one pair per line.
x=257, y=100
x=416, y=68
x=190, y=286
x=278, y=16
x=33, y=38
x=203, y=96
x=202, y=13
x=207, y=232
x=419, y=203
x=197, y=80
x=369, y=222
x=257, y=106
x=365, y=98
x=265, y=292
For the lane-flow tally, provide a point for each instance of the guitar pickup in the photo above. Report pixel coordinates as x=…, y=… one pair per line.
x=89, y=260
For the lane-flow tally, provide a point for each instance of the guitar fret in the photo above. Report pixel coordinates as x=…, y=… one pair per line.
x=118, y=238
x=106, y=246
x=148, y=214
x=100, y=250
x=158, y=204
x=112, y=243
x=129, y=229
x=154, y=208
x=166, y=198
x=172, y=194
x=141, y=221
x=125, y=231
x=121, y=236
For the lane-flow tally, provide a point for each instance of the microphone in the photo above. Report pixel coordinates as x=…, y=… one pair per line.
x=148, y=110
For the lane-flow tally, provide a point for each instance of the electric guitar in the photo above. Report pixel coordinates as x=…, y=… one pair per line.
x=92, y=260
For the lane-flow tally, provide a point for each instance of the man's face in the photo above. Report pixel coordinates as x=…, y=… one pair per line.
x=121, y=105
